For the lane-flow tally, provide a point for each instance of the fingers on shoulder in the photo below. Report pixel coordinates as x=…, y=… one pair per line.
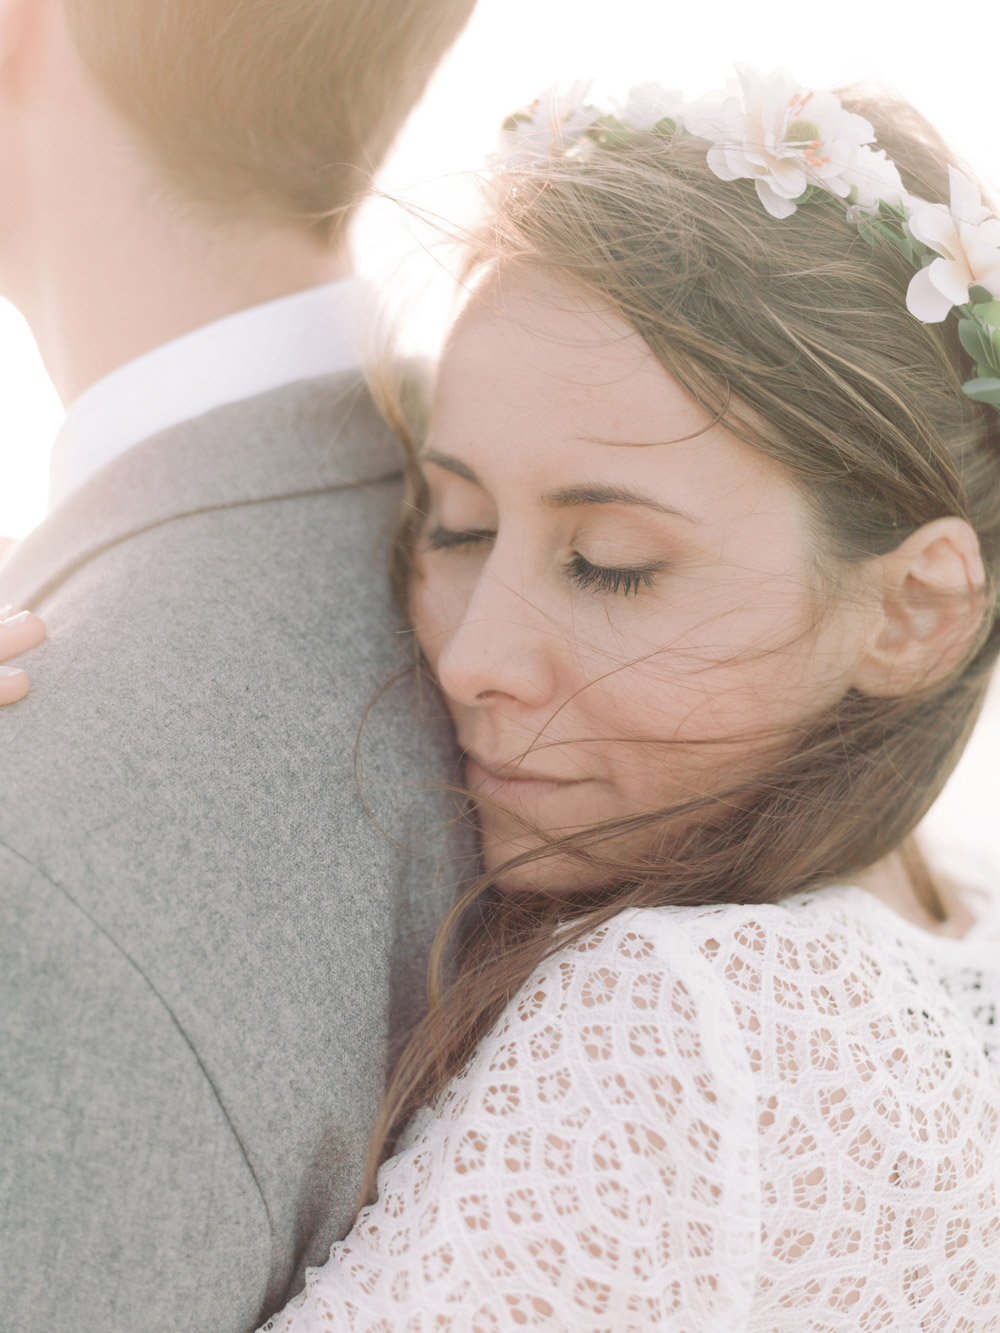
x=19, y=632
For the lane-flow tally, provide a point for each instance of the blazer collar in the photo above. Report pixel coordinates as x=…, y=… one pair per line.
x=314, y=435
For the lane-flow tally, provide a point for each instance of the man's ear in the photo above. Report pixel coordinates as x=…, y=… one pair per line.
x=929, y=594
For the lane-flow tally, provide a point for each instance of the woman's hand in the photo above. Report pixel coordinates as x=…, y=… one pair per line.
x=19, y=631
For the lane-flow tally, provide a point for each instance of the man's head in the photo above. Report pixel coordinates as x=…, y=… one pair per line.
x=166, y=163
x=276, y=106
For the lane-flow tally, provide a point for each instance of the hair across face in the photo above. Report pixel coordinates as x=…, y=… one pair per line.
x=286, y=106
x=621, y=601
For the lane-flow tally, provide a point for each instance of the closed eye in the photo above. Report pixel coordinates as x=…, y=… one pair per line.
x=610, y=579
x=597, y=578
x=448, y=539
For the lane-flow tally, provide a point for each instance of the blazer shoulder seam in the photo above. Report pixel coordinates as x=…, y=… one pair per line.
x=74, y=564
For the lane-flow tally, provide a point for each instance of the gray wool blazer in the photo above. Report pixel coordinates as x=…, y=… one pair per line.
x=208, y=932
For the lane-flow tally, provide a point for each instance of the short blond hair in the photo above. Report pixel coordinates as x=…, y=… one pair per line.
x=283, y=106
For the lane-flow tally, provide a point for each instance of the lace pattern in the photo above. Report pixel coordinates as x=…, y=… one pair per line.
x=779, y=1118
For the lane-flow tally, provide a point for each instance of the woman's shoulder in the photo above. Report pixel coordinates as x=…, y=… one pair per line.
x=833, y=960
x=831, y=951
x=607, y=1017
x=808, y=933
x=814, y=931
x=742, y=996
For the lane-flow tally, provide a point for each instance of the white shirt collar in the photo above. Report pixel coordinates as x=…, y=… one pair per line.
x=311, y=333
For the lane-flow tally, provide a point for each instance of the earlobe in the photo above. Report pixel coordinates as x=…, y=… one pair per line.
x=930, y=593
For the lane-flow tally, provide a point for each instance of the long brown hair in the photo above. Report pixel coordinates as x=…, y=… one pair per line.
x=796, y=335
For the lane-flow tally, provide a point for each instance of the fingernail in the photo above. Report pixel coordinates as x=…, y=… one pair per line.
x=5, y=610
x=7, y=671
x=19, y=619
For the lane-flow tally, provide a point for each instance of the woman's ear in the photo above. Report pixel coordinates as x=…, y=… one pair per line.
x=929, y=603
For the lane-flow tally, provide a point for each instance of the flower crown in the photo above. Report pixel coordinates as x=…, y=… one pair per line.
x=792, y=142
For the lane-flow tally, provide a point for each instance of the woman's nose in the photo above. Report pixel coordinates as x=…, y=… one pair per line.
x=504, y=647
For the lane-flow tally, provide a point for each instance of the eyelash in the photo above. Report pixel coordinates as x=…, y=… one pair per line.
x=625, y=582
x=602, y=579
x=446, y=539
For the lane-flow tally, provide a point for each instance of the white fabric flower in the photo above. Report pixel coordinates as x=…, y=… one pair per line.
x=873, y=176
x=966, y=237
x=647, y=104
x=557, y=121
x=781, y=136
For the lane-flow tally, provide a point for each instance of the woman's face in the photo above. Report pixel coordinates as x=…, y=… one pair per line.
x=617, y=621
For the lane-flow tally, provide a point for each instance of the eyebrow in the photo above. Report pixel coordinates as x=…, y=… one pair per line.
x=450, y=464
x=570, y=497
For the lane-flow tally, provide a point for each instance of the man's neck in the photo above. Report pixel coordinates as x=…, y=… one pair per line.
x=106, y=298
x=99, y=252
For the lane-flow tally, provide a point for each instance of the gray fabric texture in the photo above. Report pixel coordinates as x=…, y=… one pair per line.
x=207, y=932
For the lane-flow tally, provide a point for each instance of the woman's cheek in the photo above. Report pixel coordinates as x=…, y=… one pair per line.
x=435, y=607
x=669, y=734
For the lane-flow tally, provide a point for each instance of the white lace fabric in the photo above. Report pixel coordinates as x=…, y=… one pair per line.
x=777, y=1119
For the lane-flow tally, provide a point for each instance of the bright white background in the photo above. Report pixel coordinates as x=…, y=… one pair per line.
x=514, y=48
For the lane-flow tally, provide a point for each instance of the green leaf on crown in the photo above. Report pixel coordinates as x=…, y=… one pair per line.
x=895, y=235
x=609, y=132
x=976, y=341
x=980, y=295
x=987, y=311
x=666, y=127
x=983, y=391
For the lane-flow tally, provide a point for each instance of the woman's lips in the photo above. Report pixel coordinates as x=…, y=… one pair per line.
x=513, y=786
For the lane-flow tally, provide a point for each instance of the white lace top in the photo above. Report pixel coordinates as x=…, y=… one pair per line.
x=777, y=1119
